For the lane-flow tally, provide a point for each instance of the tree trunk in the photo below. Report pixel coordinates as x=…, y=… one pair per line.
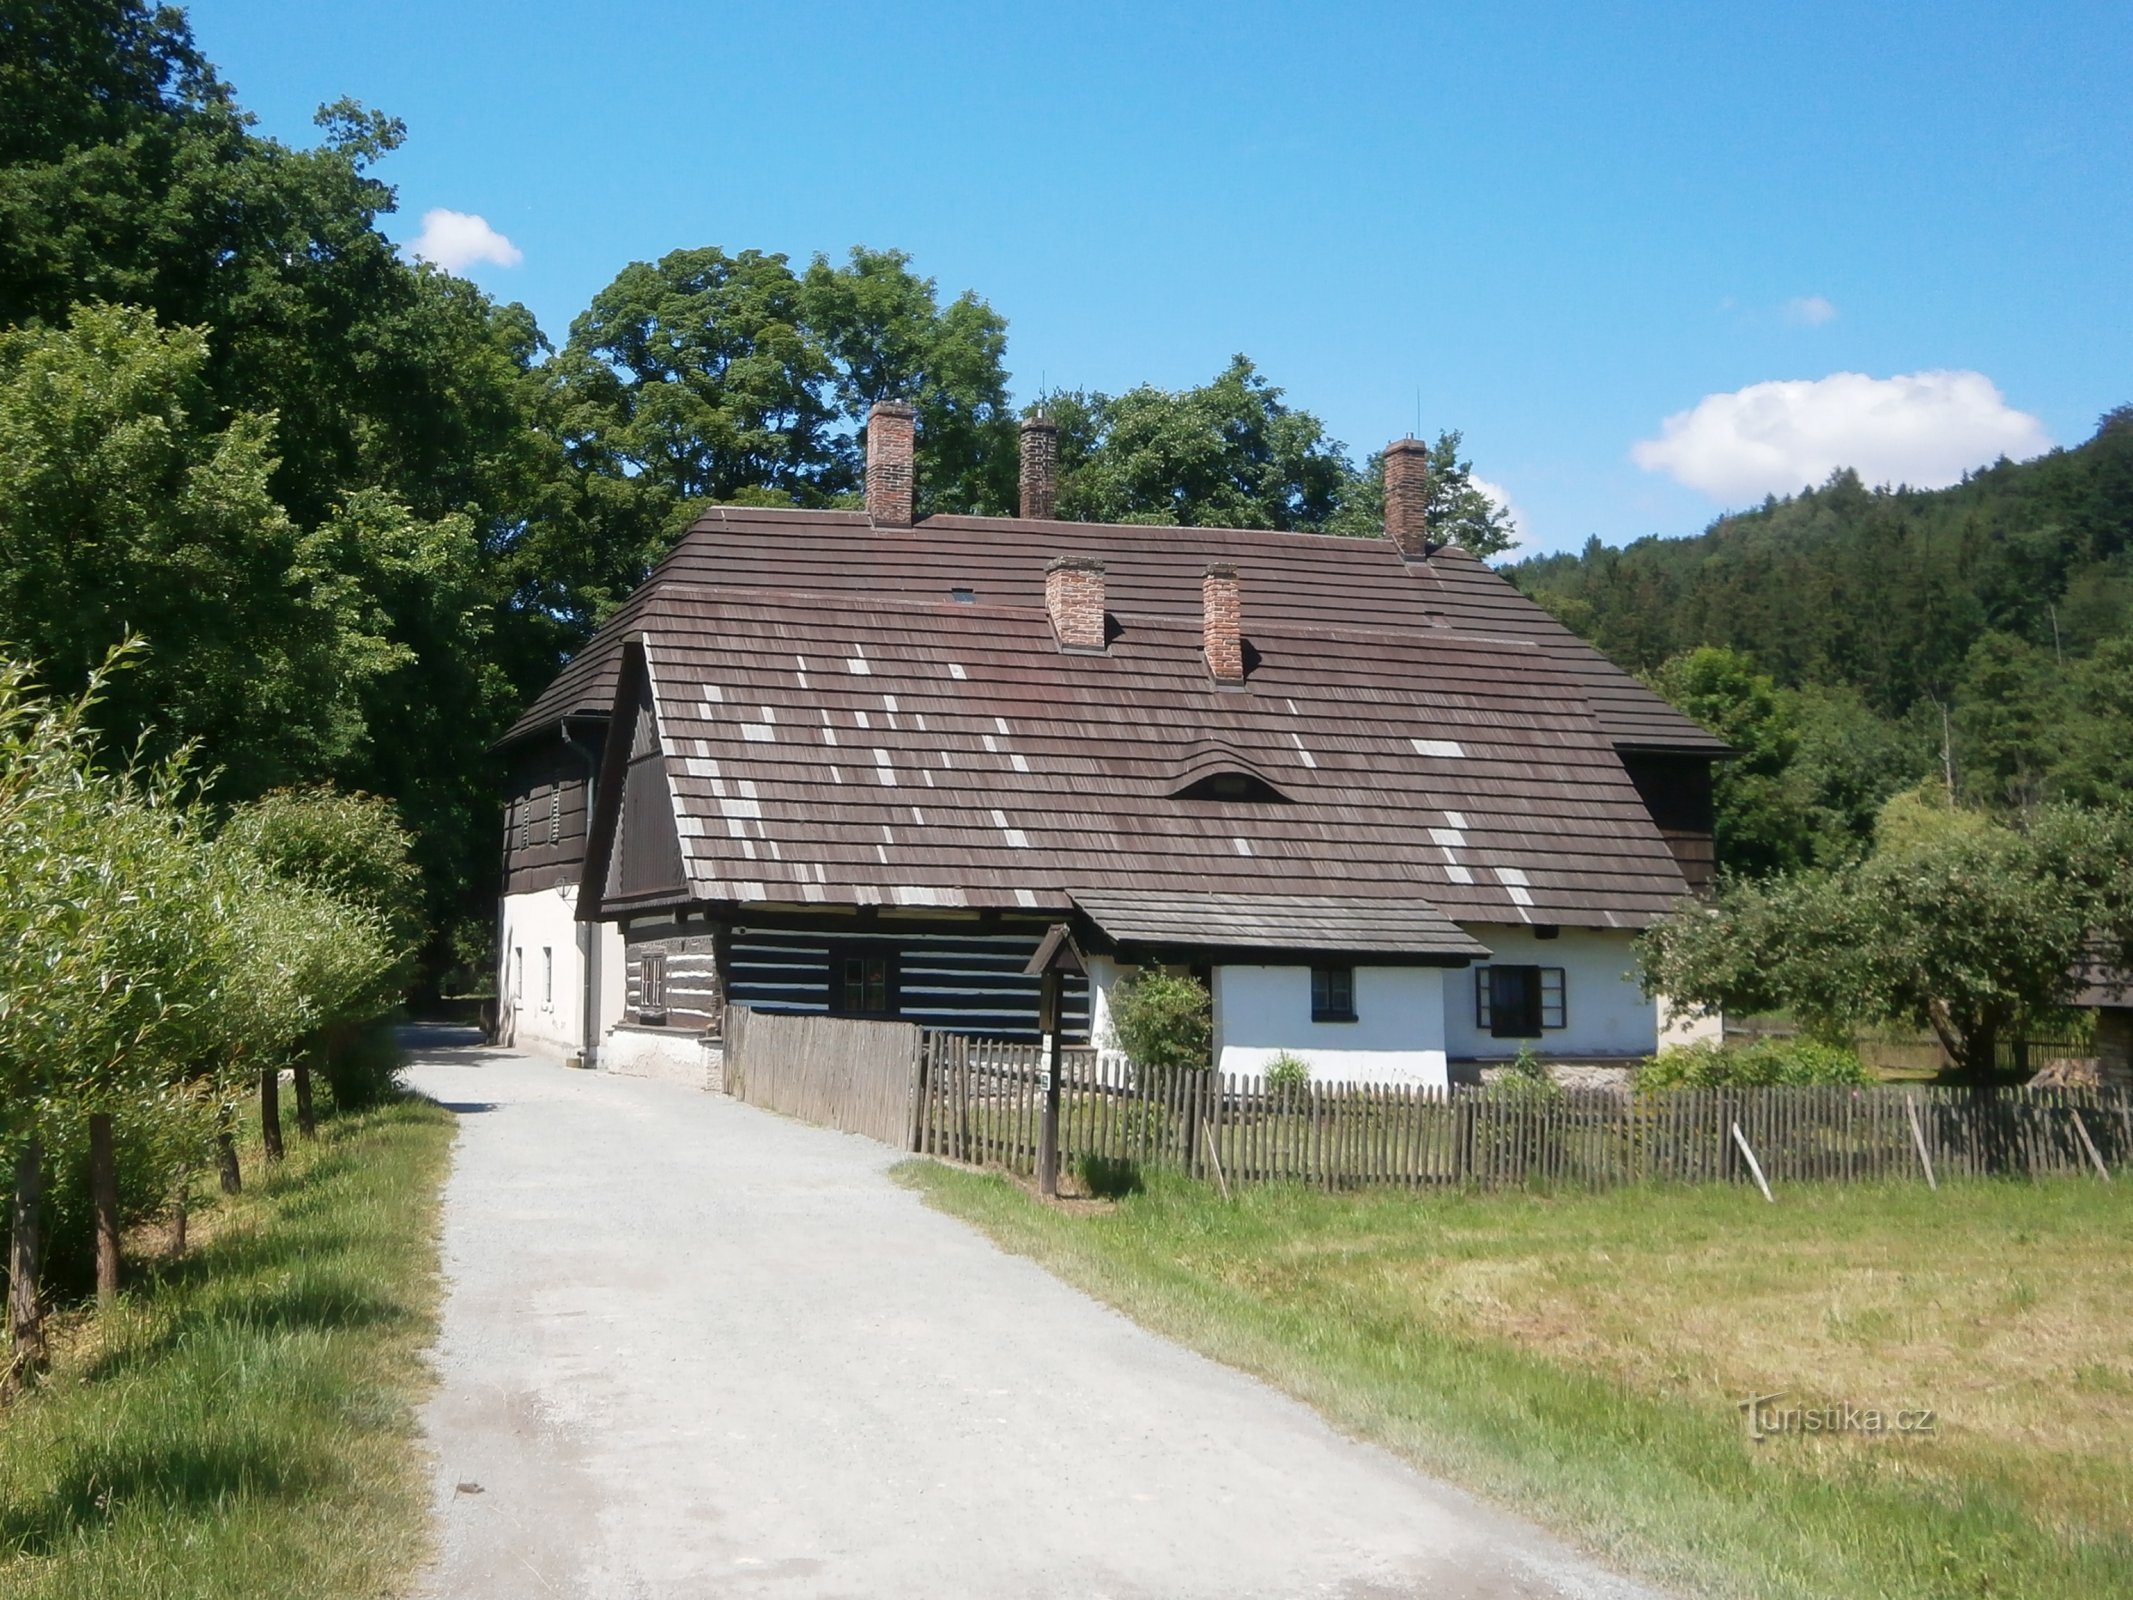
x=103, y=1196
x=1979, y=1061
x=306, y=1122
x=25, y=1312
x=270, y=1112
x=177, y=1211
x=226, y=1159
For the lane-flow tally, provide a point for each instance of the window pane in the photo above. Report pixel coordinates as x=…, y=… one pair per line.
x=1552, y=986
x=1514, y=1002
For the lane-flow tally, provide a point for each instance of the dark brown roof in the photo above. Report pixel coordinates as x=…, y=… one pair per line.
x=1291, y=580
x=918, y=752
x=2104, y=983
x=1278, y=922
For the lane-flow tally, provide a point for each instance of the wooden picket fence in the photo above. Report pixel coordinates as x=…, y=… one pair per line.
x=981, y=1101
x=837, y=1072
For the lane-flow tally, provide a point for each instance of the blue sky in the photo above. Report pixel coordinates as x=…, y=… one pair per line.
x=1561, y=225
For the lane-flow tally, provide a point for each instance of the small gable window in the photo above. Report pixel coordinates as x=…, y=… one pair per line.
x=1333, y=994
x=1519, y=1002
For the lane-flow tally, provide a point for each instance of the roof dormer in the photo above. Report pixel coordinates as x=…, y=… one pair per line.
x=1215, y=769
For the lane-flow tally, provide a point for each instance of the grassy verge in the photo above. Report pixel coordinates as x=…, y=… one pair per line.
x=1581, y=1358
x=243, y=1423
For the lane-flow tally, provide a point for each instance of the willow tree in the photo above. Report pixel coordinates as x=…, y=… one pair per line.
x=109, y=958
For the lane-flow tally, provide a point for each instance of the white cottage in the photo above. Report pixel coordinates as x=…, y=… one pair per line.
x=1395, y=815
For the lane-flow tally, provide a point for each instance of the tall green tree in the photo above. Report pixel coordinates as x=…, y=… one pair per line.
x=128, y=504
x=394, y=409
x=1761, y=824
x=707, y=377
x=1228, y=453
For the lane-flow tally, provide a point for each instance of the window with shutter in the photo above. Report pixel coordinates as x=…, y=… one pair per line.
x=1515, y=1002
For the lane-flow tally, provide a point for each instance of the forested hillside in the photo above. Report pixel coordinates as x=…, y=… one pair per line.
x=1852, y=641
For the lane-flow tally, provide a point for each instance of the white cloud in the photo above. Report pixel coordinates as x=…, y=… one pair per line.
x=455, y=240
x=1809, y=311
x=1500, y=497
x=1924, y=429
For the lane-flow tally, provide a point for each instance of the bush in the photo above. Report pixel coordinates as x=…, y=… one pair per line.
x=1766, y=1063
x=155, y=1140
x=362, y=1069
x=1164, y=1021
x=1109, y=1177
x=1287, y=1075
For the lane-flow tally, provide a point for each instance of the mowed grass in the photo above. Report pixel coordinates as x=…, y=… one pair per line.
x=1581, y=1358
x=243, y=1424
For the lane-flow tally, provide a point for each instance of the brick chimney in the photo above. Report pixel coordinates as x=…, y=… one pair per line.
x=1407, y=497
x=1040, y=468
x=1074, y=595
x=891, y=480
x=1222, y=601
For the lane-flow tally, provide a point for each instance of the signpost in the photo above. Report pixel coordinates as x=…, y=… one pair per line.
x=1056, y=959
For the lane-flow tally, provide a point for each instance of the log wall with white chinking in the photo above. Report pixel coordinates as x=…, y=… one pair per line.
x=694, y=995
x=966, y=980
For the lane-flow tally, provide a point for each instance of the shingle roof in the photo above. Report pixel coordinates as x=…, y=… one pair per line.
x=1278, y=922
x=837, y=749
x=1290, y=580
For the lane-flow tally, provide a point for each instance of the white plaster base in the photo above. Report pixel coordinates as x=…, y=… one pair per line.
x=669, y=1056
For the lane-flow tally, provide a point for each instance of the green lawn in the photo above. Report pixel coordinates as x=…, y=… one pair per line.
x=1580, y=1358
x=243, y=1425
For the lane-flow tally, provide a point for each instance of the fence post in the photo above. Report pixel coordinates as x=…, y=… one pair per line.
x=920, y=1059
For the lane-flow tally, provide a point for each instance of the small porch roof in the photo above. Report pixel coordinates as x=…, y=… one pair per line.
x=1413, y=930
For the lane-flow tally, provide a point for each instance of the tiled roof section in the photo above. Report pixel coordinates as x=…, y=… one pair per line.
x=1290, y=580
x=1279, y=922
x=840, y=750
x=2103, y=983
x=1469, y=596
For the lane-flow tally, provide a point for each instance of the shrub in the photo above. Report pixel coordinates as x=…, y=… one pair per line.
x=1164, y=1021
x=1109, y=1177
x=363, y=1068
x=1287, y=1075
x=156, y=1139
x=1765, y=1063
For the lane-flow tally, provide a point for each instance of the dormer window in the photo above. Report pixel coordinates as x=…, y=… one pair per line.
x=1214, y=769
x=1231, y=786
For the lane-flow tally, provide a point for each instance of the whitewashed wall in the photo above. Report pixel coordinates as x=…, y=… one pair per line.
x=1606, y=1011
x=1104, y=976
x=1398, y=1035
x=663, y=1053
x=550, y=1021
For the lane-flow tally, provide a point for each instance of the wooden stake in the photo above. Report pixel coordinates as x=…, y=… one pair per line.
x=1214, y=1159
x=1918, y=1138
x=2089, y=1145
x=1754, y=1165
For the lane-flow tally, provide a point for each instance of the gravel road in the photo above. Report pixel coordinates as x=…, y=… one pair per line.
x=691, y=1348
